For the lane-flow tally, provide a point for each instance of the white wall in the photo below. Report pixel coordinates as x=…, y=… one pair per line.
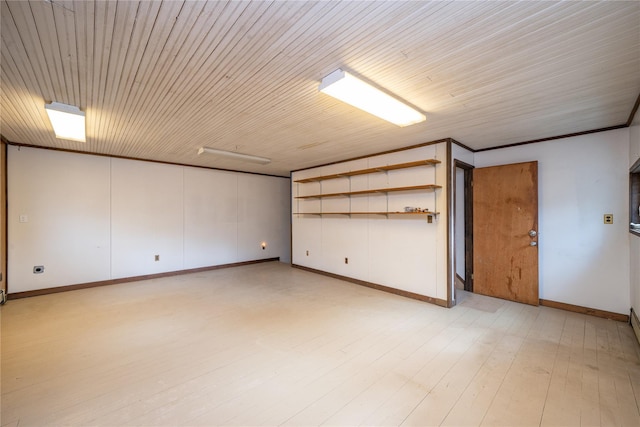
x=405, y=253
x=634, y=241
x=210, y=217
x=66, y=201
x=92, y=218
x=263, y=216
x=146, y=218
x=582, y=261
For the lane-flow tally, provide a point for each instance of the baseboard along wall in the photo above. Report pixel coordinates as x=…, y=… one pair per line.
x=47, y=291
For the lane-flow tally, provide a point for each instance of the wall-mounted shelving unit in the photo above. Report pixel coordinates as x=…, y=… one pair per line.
x=427, y=162
x=381, y=169
x=429, y=215
x=387, y=213
x=379, y=190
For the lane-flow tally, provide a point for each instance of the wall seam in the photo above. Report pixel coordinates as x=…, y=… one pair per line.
x=184, y=220
x=111, y=218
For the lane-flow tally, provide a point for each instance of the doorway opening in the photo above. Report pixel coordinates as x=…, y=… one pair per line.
x=463, y=226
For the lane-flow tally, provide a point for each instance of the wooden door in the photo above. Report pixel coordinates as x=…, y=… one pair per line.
x=505, y=226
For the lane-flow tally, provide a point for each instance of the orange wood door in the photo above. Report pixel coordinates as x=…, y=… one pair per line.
x=505, y=226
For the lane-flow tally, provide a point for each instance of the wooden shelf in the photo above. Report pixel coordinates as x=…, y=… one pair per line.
x=426, y=187
x=379, y=190
x=427, y=162
x=368, y=213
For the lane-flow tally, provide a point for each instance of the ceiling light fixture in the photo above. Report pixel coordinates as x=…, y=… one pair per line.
x=67, y=120
x=348, y=88
x=234, y=155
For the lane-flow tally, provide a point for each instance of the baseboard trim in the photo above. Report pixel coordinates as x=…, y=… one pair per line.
x=407, y=294
x=47, y=291
x=585, y=310
x=635, y=324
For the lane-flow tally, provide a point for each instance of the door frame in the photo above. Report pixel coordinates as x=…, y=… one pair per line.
x=468, y=220
x=3, y=221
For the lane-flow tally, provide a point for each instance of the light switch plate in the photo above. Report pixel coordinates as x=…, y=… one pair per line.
x=24, y=218
x=608, y=218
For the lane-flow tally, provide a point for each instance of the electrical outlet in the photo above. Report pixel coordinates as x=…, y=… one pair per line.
x=346, y=260
x=608, y=218
x=38, y=269
x=307, y=253
x=157, y=257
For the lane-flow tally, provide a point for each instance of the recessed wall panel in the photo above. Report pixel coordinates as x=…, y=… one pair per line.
x=263, y=213
x=210, y=217
x=146, y=218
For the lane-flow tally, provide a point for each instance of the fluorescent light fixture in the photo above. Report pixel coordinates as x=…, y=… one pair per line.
x=68, y=121
x=234, y=155
x=348, y=88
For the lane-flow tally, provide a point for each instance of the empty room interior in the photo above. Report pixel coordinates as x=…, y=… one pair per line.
x=336, y=213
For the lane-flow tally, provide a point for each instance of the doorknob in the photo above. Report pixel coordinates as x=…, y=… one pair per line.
x=532, y=233
x=533, y=244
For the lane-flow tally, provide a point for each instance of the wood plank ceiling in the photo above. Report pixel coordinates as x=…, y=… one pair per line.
x=160, y=79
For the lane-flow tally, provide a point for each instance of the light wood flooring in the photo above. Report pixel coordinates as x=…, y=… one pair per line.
x=267, y=344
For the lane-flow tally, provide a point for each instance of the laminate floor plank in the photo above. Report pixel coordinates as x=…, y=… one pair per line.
x=282, y=400
x=438, y=403
x=267, y=344
x=474, y=401
x=412, y=355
